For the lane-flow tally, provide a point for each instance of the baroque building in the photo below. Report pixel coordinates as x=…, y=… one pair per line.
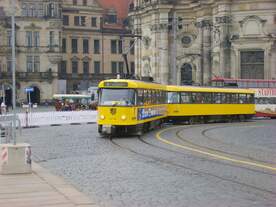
x=93, y=42
x=192, y=41
x=38, y=33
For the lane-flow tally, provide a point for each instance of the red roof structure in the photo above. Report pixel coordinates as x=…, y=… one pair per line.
x=120, y=6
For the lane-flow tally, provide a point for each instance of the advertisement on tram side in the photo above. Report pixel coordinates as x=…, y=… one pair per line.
x=265, y=99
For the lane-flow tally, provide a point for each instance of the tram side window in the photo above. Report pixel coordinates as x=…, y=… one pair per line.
x=193, y=97
x=185, y=97
x=217, y=98
x=251, y=98
x=146, y=97
x=243, y=98
x=149, y=97
x=153, y=100
x=159, y=97
x=156, y=97
x=235, y=98
x=207, y=98
x=173, y=97
x=164, y=97
x=140, y=97
x=228, y=98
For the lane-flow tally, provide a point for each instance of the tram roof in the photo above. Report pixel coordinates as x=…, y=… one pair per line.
x=125, y=83
x=208, y=89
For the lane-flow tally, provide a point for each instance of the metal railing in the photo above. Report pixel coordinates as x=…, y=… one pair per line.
x=6, y=128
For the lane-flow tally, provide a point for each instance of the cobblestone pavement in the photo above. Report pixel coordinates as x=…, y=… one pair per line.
x=147, y=172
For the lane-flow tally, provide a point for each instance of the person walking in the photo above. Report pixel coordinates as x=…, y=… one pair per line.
x=3, y=108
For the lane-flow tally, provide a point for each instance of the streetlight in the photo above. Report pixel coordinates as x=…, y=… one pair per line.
x=13, y=73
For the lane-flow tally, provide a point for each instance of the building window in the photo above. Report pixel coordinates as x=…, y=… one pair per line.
x=65, y=20
x=51, y=39
x=94, y=21
x=132, y=47
x=252, y=64
x=64, y=45
x=29, y=64
x=79, y=20
x=121, y=67
x=120, y=46
x=114, y=67
x=75, y=86
x=75, y=2
x=31, y=10
x=82, y=20
x=76, y=21
x=132, y=68
x=63, y=65
x=74, y=67
x=97, y=67
x=36, y=39
x=51, y=10
x=97, y=46
x=85, y=67
x=9, y=64
x=33, y=63
x=84, y=2
x=111, y=19
x=85, y=45
x=9, y=43
x=24, y=10
x=29, y=39
x=113, y=46
x=36, y=63
x=40, y=12
x=74, y=46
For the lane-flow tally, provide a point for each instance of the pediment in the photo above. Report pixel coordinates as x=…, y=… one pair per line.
x=252, y=26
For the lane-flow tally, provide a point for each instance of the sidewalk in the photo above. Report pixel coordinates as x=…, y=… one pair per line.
x=39, y=189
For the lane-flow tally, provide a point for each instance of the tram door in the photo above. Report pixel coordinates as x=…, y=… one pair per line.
x=186, y=74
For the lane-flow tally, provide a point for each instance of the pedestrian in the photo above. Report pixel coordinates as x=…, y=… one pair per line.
x=3, y=108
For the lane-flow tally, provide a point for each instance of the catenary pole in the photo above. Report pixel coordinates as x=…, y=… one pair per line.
x=13, y=72
x=173, y=53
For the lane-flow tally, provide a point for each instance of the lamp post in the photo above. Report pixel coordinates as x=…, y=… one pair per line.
x=15, y=162
x=13, y=73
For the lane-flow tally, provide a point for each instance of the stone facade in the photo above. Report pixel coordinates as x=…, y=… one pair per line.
x=45, y=31
x=88, y=33
x=38, y=33
x=190, y=42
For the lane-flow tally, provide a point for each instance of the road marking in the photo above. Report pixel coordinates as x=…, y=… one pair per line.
x=214, y=155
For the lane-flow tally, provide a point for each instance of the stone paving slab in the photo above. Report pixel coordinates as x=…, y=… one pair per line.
x=40, y=188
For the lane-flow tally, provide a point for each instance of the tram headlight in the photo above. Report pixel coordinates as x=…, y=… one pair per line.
x=102, y=117
x=123, y=117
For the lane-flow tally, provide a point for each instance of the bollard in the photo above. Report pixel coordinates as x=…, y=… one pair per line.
x=15, y=159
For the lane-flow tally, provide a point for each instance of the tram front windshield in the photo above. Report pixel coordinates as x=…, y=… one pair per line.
x=117, y=97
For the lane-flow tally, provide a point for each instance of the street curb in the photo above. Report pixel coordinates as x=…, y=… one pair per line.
x=54, y=125
x=61, y=186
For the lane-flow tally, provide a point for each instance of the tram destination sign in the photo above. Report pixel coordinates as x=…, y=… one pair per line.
x=115, y=84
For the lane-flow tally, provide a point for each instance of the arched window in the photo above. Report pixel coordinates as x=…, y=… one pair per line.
x=186, y=74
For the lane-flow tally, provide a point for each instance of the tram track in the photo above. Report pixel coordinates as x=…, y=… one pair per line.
x=203, y=133
x=157, y=159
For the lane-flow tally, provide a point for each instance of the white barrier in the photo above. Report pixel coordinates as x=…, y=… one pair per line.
x=56, y=117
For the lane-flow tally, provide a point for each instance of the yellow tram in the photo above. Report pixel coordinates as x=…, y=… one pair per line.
x=133, y=107
x=202, y=104
x=130, y=106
